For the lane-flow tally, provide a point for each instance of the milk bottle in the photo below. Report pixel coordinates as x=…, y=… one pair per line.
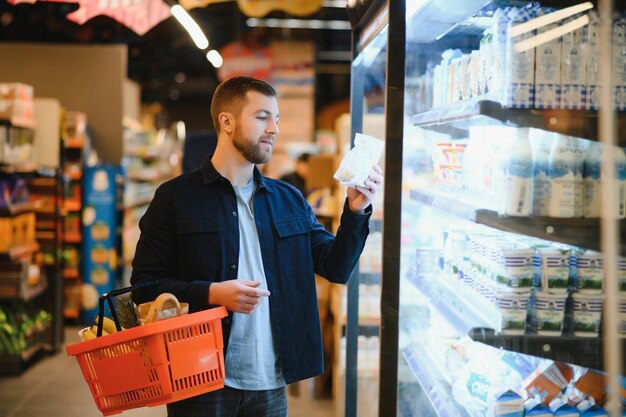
x=541, y=143
x=517, y=173
x=620, y=182
x=591, y=180
x=565, y=170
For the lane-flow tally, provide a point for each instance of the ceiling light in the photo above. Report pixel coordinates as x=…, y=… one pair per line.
x=190, y=26
x=548, y=35
x=549, y=18
x=215, y=58
x=299, y=23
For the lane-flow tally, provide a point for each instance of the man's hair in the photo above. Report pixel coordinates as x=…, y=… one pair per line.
x=230, y=96
x=304, y=157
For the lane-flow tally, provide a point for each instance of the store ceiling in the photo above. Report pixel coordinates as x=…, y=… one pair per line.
x=166, y=63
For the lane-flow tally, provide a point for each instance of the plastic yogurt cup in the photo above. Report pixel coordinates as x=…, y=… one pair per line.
x=554, y=269
x=622, y=315
x=513, y=308
x=590, y=272
x=550, y=309
x=587, y=314
x=516, y=268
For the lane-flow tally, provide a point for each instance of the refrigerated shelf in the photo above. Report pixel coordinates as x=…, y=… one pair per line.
x=433, y=383
x=455, y=119
x=584, y=233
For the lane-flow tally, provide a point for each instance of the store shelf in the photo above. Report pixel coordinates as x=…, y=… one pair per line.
x=455, y=119
x=584, y=233
x=433, y=382
x=19, y=123
x=19, y=251
x=461, y=312
x=581, y=351
x=18, y=208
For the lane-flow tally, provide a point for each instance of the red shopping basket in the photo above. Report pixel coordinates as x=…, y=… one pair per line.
x=153, y=364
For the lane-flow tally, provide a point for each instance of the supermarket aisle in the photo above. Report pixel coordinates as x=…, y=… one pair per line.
x=54, y=387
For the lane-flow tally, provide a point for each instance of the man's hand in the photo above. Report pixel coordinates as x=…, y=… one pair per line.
x=361, y=197
x=237, y=296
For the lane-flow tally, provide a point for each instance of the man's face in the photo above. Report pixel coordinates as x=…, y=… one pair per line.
x=257, y=127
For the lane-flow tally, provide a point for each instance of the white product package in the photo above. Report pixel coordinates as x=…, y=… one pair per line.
x=358, y=162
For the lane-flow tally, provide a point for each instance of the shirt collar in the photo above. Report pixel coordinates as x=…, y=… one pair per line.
x=210, y=174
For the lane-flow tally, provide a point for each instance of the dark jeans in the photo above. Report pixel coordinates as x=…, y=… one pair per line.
x=230, y=402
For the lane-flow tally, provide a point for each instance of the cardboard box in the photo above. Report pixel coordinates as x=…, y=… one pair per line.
x=16, y=91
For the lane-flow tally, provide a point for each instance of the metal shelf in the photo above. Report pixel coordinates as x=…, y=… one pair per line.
x=461, y=313
x=455, y=119
x=584, y=233
x=433, y=383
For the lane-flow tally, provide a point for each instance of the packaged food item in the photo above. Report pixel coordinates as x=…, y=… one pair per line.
x=358, y=162
x=549, y=380
x=549, y=313
x=566, y=175
x=591, y=384
x=548, y=68
x=535, y=408
x=573, y=69
x=560, y=407
x=587, y=314
x=509, y=404
x=163, y=307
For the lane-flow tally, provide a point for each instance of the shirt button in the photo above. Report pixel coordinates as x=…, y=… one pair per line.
x=233, y=267
x=234, y=214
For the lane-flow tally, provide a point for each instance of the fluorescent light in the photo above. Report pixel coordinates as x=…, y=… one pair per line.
x=190, y=26
x=548, y=35
x=549, y=18
x=215, y=58
x=299, y=23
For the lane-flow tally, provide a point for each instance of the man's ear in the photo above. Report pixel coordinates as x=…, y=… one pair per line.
x=227, y=121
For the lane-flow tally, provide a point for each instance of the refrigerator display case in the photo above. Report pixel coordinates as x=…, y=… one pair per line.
x=503, y=269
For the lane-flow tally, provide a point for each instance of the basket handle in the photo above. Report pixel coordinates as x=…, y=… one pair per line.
x=114, y=293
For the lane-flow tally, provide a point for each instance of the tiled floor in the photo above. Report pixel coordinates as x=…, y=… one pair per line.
x=54, y=387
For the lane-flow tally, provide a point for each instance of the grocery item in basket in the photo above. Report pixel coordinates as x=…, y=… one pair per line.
x=356, y=165
x=163, y=307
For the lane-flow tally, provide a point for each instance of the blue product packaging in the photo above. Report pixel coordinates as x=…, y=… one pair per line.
x=99, y=248
x=509, y=404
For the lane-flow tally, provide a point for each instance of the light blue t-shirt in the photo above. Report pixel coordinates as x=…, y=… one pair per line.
x=251, y=359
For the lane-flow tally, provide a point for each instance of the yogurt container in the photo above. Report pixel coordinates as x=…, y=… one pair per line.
x=513, y=307
x=517, y=268
x=621, y=274
x=554, y=269
x=590, y=272
x=550, y=309
x=622, y=314
x=587, y=314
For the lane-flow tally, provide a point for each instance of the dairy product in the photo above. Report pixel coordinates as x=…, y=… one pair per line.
x=513, y=308
x=620, y=182
x=592, y=61
x=550, y=311
x=517, y=173
x=519, y=76
x=534, y=408
x=593, y=411
x=555, y=268
x=548, y=380
x=591, y=180
x=508, y=404
x=587, y=314
x=619, y=63
x=590, y=272
x=574, y=70
x=560, y=407
x=547, y=69
x=565, y=170
x=541, y=144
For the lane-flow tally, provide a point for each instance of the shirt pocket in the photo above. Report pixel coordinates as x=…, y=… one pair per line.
x=294, y=244
x=199, y=243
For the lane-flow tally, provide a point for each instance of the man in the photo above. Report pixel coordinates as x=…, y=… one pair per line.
x=225, y=235
x=297, y=178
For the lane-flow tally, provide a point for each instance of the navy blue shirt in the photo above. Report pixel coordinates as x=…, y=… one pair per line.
x=190, y=236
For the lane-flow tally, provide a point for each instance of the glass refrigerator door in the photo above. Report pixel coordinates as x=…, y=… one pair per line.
x=512, y=198
x=362, y=332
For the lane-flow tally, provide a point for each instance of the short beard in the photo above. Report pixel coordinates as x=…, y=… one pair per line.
x=253, y=153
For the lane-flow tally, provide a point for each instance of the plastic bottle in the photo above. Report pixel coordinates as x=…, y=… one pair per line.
x=518, y=174
x=591, y=180
x=541, y=142
x=620, y=182
x=565, y=170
